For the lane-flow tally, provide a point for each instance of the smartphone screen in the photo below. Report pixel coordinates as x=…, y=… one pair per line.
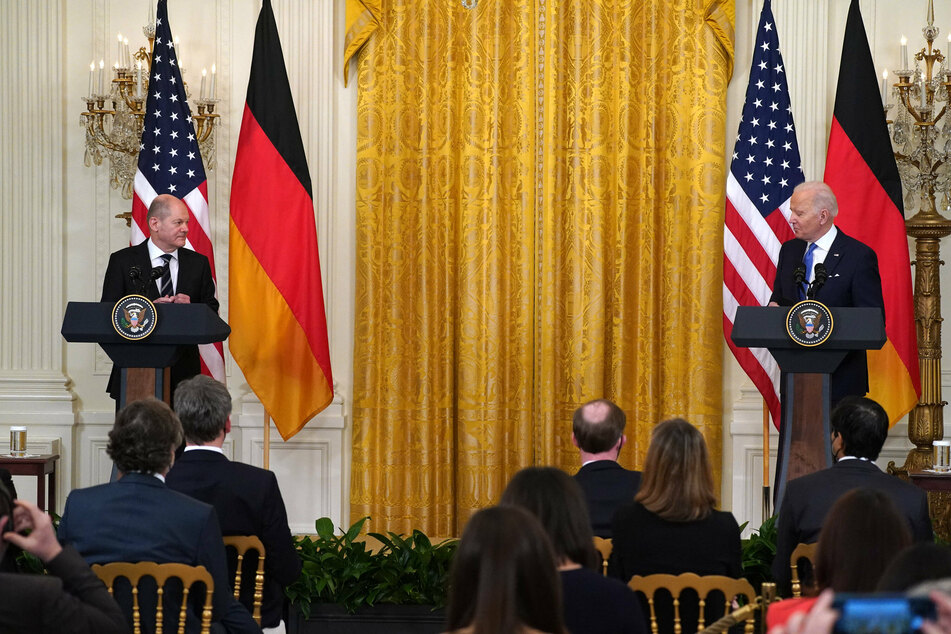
x=881, y=613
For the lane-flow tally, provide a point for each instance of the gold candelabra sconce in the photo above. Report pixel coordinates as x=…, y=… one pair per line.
x=115, y=114
x=921, y=140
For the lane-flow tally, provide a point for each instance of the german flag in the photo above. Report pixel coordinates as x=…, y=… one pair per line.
x=276, y=305
x=861, y=170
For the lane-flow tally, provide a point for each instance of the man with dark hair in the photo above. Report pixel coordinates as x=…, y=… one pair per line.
x=598, y=433
x=138, y=518
x=859, y=428
x=246, y=498
x=68, y=599
x=186, y=278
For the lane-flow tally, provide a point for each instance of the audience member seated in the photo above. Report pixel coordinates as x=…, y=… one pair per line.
x=70, y=599
x=859, y=429
x=672, y=526
x=7, y=480
x=503, y=578
x=138, y=518
x=863, y=533
x=925, y=561
x=592, y=602
x=246, y=498
x=598, y=433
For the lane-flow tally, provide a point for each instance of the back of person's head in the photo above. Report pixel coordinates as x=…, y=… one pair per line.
x=144, y=437
x=8, y=552
x=203, y=405
x=598, y=425
x=677, y=482
x=860, y=536
x=862, y=424
x=924, y=561
x=503, y=577
x=556, y=500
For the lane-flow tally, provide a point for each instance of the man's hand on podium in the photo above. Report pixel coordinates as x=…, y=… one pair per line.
x=181, y=298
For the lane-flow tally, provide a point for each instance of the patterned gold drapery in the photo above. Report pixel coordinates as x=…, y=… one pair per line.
x=539, y=223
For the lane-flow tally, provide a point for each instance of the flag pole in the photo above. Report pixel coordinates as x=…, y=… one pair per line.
x=767, y=511
x=267, y=440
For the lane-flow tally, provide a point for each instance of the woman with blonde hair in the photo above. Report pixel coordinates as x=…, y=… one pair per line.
x=672, y=526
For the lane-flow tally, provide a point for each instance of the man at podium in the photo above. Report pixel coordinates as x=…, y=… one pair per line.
x=824, y=264
x=163, y=269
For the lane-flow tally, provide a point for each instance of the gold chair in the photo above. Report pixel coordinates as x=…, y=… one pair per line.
x=161, y=573
x=676, y=584
x=802, y=551
x=604, y=546
x=242, y=544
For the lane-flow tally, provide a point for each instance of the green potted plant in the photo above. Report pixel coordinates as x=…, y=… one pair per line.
x=758, y=552
x=347, y=587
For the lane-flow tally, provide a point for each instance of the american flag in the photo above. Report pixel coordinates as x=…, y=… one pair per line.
x=763, y=172
x=170, y=162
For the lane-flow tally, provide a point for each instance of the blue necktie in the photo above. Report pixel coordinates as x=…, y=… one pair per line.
x=808, y=262
x=166, y=281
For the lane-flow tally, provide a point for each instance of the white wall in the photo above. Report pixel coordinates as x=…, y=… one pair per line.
x=57, y=223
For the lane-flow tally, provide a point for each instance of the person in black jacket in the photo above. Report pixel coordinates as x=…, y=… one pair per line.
x=71, y=599
x=247, y=499
x=598, y=433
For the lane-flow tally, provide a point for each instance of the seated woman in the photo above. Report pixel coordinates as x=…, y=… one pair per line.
x=860, y=537
x=671, y=526
x=592, y=603
x=503, y=578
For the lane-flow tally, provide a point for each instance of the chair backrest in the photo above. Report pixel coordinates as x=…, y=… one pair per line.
x=604, y=547
x=802, y=551
x=676, y=584
x=242, y=545
x=161, y=573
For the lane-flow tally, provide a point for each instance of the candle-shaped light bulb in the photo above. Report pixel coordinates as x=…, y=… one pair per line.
x=885, y=87
x=138, y=80
x=924, y=91
x=213, y=75
x=125, y=50
x=92, y=71
x=202, y=93
x=947, y=59
x=119, y=49
x=904, y=53
x=102, y=66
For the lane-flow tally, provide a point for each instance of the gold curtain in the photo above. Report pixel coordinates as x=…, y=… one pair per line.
x=539, y=218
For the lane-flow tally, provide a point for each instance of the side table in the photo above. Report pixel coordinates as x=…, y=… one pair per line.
x=36, y=466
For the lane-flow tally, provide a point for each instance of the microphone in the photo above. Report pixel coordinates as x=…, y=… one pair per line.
x=799, y=274
x=820, y=279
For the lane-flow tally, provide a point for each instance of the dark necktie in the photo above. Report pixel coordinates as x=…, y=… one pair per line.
x=166, y=284
x=808, y=262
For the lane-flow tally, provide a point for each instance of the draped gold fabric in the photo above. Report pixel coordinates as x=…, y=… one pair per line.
x=539, y=223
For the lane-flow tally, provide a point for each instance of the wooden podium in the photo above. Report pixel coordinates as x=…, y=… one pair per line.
x=807, y=445
x=145, y=363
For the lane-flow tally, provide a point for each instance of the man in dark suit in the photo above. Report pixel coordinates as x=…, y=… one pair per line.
x=859, y=428
x=185, y=279
x=246, y=498
x=598, y=433
x=68, y=599
x=138, y=518
x=852, y=268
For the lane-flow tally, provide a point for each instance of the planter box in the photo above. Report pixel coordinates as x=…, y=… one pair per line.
x=391, y=619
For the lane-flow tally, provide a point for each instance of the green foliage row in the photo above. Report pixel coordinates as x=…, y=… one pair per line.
x=758, y=552
x=341, y=569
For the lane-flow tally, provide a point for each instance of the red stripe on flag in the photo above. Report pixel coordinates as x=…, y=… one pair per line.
x=737, y=285
x=751, y=245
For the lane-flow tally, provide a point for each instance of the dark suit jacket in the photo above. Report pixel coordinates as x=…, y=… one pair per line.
x=7, y=480
x=853, y=281
x=809, y=498
x=606, y=486
x=70, y=600
x=138, y=518
x=646, y=544
x=248, y=502
x=194, y=280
